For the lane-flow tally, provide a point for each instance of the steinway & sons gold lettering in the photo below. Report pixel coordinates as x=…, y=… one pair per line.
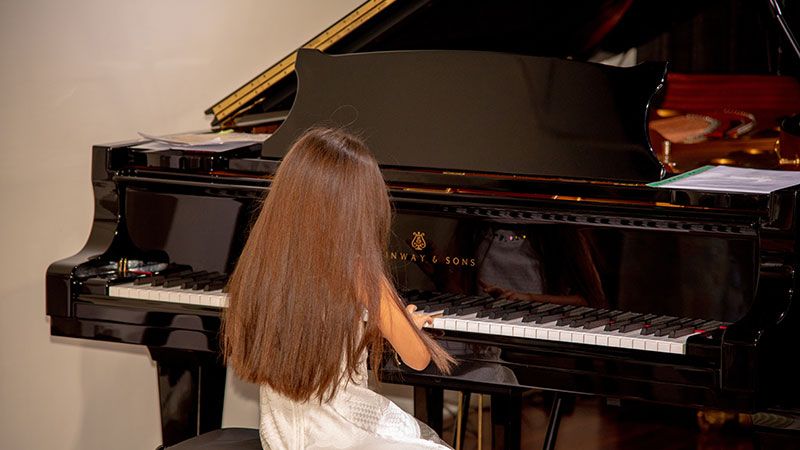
x=434, y=259
x=418, y=243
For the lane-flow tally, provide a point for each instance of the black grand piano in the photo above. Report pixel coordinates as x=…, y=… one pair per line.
x=523, y=216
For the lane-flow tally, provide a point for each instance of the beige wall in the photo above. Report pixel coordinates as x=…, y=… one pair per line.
x=74, y=73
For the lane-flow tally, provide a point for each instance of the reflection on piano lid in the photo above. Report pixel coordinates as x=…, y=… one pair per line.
x=523, y=27
x=482, y=112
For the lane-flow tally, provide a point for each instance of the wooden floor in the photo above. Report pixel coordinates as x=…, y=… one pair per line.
x=592, y=424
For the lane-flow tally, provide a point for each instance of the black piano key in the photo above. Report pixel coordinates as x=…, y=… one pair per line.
x=172, y=282
x=217, y=285
x=665, y=331
x=519, y=305
x=504, y=302
x=455, y=307
x=158, y=280
x=498, y=313
x=514, y=315
x=441, y=305
x=424, y=300
x=576, y=313
x=474, y=304
x=541, y=310
x=468, y=310
x=188, y=283
x=477, y=300
x=702, y=327
x=633, y=324
x=423, y=297
x=178, y=281
x=192, y=281
x=554, y=314
x=595, y=322
x=588, y=318
x=202, y=283
x=496, y=306
x=619, y=321
x=710, y=325
x=159, y=276
x=681, y=332
x=464, y=302
x=656, y=324
x=441, y=298
x=670, y=323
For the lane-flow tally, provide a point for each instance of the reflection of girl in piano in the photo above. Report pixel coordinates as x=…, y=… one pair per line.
x=547, y=264
x=310, y=296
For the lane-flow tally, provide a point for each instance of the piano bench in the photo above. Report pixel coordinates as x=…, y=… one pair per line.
x=222, y=439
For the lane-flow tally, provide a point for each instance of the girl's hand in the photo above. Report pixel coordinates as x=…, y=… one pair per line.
x=420, y=319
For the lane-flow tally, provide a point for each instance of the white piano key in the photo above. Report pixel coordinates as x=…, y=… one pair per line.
x=175, y=294
x=578, y=337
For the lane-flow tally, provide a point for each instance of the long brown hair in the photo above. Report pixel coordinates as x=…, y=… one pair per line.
x=313, y=263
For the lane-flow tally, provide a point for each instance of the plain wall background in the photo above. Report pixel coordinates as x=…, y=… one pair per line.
x=83, y=72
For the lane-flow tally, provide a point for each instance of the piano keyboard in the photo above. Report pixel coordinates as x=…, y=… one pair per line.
x=473, y=314
x=562, y=323
x=185, y=287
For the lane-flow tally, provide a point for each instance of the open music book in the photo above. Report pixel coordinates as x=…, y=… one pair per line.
x=731, y=179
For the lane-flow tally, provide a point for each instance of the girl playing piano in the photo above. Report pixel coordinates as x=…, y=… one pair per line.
x=310, y=296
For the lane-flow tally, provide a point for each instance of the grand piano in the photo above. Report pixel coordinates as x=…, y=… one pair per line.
x=523, y=217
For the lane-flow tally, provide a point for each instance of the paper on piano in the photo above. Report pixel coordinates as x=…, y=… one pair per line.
x=200, y=142
x=156, y=146
x=731, y=179
x=206, y=139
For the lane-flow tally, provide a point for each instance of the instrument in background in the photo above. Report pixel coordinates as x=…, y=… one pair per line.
x=725, y=120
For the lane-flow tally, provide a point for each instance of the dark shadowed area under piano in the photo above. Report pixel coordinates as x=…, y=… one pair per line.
x=592, y=424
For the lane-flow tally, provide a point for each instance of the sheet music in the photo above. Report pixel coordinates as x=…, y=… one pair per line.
x=731, y=179
x=206, y=138
x=200, y=142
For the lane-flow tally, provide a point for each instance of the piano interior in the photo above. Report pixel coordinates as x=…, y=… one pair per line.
x=523, y=217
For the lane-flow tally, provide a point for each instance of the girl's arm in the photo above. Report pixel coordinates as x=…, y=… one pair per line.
x=400, y=332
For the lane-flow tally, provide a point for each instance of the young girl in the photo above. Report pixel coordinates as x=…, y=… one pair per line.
x=310, y=295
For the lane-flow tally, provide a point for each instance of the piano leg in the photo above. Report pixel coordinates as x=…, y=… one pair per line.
x=462, y=419
x=191, y=391
x=553, y=423
x=506, y=421
x=428, y=406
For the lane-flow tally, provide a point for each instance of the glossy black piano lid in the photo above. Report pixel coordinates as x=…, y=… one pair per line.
x=482, y=112
x=654, y=272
